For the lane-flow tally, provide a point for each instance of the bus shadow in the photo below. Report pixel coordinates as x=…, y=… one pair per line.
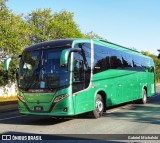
x=42, y=120
x=149, y=113
x=35, y=120
x=137, y=113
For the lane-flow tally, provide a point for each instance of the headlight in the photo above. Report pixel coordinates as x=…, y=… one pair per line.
x=60, y=97
x=21, y=98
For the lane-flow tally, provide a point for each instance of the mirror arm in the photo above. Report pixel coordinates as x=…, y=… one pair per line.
x=72, y=50
x=7, y=61
x=16, y=56
x=159, y=53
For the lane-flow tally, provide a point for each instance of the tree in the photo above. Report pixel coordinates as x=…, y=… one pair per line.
x=157, y=64
x=93, y=35
x=3, y=5
x=39, y=25
x=13, y=38
x=64, y=26
x=46, y=26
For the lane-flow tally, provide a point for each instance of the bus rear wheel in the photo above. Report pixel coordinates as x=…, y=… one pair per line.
x=144, y=97
x=99, y=107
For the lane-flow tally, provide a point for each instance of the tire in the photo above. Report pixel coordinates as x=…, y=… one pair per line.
x=99, y=107
x=144, y=98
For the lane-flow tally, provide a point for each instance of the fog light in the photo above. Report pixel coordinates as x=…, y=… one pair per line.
x=65, y=109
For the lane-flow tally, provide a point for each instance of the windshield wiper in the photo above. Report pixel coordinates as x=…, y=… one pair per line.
x=32, y=83
x=36, y=70
x=58, y=87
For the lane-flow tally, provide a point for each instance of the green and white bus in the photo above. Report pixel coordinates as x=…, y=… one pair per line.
x=72, y=76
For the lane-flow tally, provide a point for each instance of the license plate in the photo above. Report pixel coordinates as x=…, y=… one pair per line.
x=38, y=108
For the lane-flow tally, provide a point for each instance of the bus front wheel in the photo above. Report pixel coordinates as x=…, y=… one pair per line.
x=99, y=107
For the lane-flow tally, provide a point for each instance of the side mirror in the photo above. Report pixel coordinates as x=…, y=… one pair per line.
x=159, y=53
x=6, y=63
x=158, y=56
x=66, y=54
x=64, y=57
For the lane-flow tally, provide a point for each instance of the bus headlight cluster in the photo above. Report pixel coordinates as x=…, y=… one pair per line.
x=21, y=98
x=60, y=97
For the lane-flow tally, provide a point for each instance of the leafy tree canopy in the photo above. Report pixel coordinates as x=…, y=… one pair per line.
x=46, y=26
x=157, y=64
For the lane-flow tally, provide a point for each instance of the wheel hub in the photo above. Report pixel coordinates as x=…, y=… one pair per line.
x=99, y=106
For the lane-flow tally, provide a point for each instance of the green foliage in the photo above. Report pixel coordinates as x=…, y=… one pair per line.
x=14, y=33
x=64, y=26
x=93, y=35
x=39, y=22
x=46, y=26
x=3, y=4
x=157, y=64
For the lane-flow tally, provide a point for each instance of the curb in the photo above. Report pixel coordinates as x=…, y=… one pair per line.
x=8, y=106
x=8, y=102
x=9, y=110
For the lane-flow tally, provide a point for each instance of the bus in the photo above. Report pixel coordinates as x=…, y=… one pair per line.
x=68, y=77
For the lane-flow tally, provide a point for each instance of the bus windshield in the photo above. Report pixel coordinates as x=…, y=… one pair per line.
x=40, y=69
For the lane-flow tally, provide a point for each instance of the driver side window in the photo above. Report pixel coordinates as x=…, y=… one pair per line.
x=78, y=73
x=78, y=68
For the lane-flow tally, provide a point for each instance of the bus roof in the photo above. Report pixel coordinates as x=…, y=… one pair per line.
x=54, y=43
x=118, y=47
x=68, y=42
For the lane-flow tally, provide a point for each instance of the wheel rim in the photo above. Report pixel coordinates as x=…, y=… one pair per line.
x=99, y=106
x=144, y=97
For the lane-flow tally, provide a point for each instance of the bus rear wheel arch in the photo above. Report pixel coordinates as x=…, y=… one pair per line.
x=143, y=100
x=144, y=96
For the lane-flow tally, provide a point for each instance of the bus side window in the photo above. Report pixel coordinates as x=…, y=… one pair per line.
x=152, y=65
x=116, y=59
x=127, y=61
x=78, y=73
x=101, y=59
x=78, y=70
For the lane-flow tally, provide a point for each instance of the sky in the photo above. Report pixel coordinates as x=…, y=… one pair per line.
x=130, y=23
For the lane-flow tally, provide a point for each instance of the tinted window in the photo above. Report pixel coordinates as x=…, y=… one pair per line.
x=86, y=53
x=137, y=63
x=101, y=58
x=151, y=69
x=115, y=59
x=82, y=67
x=127, y=61
x=106, y=58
